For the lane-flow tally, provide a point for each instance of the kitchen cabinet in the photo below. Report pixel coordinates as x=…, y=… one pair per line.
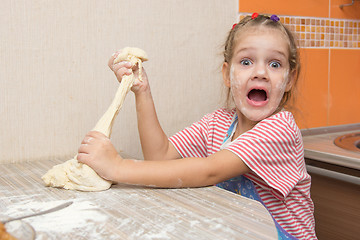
x=335, y=186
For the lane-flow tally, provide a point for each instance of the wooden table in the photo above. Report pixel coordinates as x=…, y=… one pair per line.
x=130, y=212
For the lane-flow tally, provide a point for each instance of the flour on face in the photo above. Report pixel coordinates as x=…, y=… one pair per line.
x=259, y=73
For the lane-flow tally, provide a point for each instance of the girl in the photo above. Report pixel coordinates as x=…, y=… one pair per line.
x=254, y=149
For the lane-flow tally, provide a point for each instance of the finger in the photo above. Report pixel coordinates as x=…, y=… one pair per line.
x=97, y=135
x=137, y=83
x=125, y=64
x=135, y=67
x=84, y=148
x=112, y=58
x=121, y=71
x=82, y=157
x=87, y=140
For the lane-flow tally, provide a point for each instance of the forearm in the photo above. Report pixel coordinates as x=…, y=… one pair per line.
x=185, y=172
x=165, y=174
x=154, y=141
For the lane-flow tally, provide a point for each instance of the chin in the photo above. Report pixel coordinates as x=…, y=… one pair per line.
x=258, y=116
x=254, y=119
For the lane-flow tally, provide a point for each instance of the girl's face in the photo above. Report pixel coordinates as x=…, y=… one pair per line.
x=258, y=74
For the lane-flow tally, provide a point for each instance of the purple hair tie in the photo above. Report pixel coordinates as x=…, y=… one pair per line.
x=274, y=18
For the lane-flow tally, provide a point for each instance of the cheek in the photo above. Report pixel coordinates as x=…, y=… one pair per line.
x=234, y=84
x=235, y=81
x=286, y=78
x=281, y=85
x=236, y=88
x=232, y=70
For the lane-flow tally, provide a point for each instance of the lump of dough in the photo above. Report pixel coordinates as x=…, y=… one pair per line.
x=77, y=176
x=129, y=52
x=73, y=175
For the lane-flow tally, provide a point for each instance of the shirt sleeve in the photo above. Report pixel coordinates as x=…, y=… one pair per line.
x=271, y=150
x=191, y=142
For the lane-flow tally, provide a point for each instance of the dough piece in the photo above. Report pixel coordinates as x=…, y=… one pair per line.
x=77, y=176
x=135, y=56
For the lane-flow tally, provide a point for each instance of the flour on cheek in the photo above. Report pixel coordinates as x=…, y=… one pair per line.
x=235, y=84
x=281, y=86
x=239, y=90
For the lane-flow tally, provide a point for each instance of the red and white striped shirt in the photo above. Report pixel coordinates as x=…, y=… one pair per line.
x=273, y=150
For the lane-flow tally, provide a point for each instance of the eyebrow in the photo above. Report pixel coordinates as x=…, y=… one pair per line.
x=251, y=48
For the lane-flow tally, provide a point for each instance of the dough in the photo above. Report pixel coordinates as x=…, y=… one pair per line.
x=135, y=56
x=77, y=176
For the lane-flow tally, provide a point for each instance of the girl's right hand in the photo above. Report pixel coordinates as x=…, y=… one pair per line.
x=125, y=68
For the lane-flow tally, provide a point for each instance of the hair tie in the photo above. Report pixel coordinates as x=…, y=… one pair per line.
x=254, y=15
x=233, y=26
x=274, y=18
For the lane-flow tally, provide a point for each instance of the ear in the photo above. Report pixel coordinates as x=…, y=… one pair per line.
x=226, y=74
x=291, y=81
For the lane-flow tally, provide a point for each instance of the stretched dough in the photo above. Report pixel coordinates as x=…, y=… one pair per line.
x=77, y=176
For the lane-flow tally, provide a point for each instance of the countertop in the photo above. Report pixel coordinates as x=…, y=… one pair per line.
x=130, y=212
x=319, y=145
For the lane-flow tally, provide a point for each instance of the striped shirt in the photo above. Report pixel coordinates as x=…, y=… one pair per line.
x=273, y=150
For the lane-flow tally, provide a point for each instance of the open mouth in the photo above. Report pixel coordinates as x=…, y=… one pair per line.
x=257, y=95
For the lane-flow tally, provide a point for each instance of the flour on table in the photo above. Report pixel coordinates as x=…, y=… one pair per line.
x=82, y=214
x=77, y=176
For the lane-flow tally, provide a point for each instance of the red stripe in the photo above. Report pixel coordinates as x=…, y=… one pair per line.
x=273, y=150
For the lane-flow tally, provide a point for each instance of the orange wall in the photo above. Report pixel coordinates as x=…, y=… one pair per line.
x=329, y=89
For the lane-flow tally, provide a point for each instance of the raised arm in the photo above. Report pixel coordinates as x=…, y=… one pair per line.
x=154, y=142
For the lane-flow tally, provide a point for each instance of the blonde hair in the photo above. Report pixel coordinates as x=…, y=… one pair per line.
x=294, y=58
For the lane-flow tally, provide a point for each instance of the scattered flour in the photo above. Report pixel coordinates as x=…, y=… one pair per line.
x=82, y=214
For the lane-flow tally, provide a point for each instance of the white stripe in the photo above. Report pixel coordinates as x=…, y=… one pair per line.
x=206, y=137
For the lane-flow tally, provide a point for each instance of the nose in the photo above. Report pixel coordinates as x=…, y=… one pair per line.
x=260, y=71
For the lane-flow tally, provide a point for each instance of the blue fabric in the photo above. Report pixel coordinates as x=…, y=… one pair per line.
x=245, y=187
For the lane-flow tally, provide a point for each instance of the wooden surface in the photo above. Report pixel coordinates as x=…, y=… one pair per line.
x=130, y=212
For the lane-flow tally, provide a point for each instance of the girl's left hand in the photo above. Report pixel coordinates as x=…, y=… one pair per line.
x=97, y=151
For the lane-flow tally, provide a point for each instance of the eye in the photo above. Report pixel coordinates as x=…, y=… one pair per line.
x=245, y=62
x=275, y=64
